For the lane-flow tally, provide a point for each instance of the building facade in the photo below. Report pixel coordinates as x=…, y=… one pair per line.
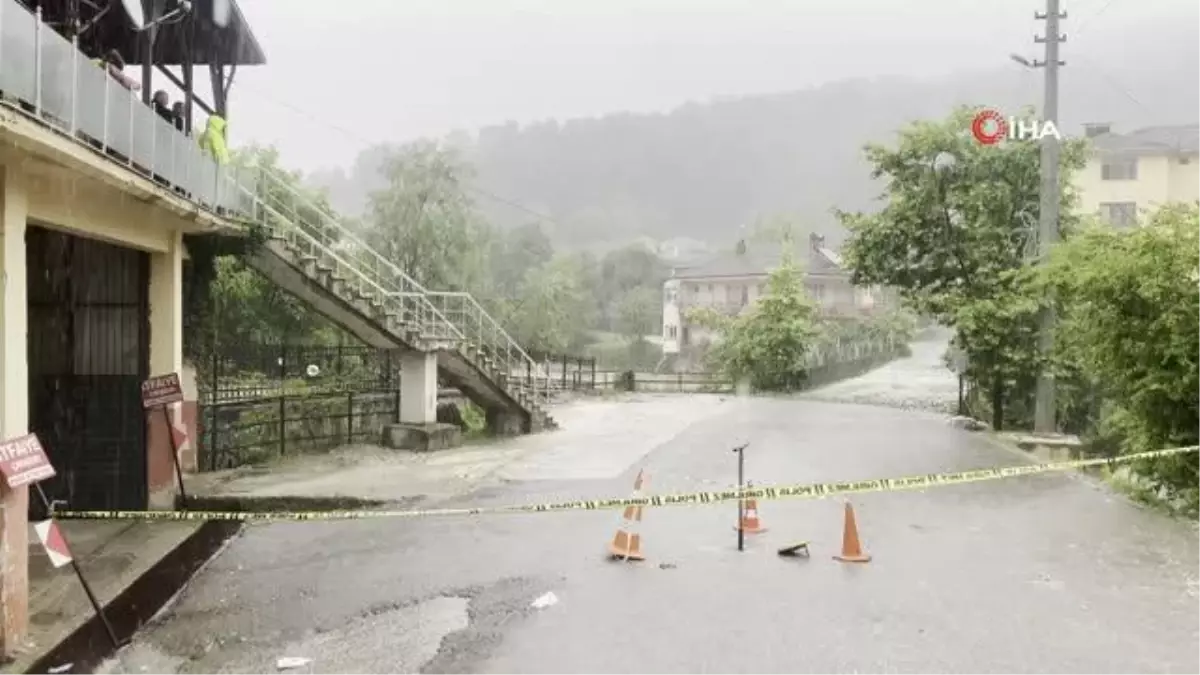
x=1128, y=175
x=97, y=194
x=732, y=283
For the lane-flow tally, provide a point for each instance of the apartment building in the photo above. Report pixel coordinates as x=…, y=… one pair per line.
x=1132, y=173
x=731, y=283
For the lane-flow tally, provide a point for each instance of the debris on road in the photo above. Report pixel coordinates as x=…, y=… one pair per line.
x=291, y=662
x=968, y=423
x=667, y=566
x=61, y=668
x=544, y=601
x=797, y=550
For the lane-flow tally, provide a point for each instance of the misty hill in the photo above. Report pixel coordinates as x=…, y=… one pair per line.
x=703, y=169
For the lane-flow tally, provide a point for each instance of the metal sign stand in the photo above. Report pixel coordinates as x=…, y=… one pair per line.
x=741, y=503
x=23, y=463
x=87, y=588
x=183, y=498
x=162, y=391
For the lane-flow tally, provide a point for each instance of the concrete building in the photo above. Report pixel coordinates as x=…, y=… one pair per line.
x=97, y=193
x=732, y=282
x=1132, y=173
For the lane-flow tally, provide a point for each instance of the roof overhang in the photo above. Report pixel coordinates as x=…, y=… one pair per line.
x=231, y=44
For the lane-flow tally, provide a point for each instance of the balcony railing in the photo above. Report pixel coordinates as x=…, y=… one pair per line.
x=47, y=78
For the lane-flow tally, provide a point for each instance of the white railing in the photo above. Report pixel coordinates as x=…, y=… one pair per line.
x=47, y=78
x=450, y=316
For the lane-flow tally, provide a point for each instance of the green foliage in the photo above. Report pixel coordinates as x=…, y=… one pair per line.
x=639, y=313
x=516, y=252
x=639, y=355
x=423, y=220
x=1130, y=312
x=473, y=418
x=953, y=238
x=552, y=309
x=769, y=344
x=617, y=274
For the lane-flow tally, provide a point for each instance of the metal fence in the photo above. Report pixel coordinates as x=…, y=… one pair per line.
x=259, y=402
x=565, y=372
x=825, y=366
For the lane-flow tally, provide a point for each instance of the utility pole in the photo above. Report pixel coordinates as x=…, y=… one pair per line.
x=1046, y=407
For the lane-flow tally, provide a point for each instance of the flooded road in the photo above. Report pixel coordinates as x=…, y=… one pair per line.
x=1037, y=574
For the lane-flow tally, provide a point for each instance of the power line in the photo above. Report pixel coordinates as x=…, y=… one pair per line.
x=1087, y=21
x=1115, y=84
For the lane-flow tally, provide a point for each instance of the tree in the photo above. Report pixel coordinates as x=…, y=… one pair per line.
x=622, y=271
x=516, y=252
x=1130, y=309
x=639, y=313
x=552, y=308
x=423, y=220
x=954, y=237
x=769, y=344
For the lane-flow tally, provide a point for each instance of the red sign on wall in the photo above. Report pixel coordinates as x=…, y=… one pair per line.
x=22, y=461
x=161, y=390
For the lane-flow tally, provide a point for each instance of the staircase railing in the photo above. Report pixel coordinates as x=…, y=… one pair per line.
x=438, y=314
x=411, y=308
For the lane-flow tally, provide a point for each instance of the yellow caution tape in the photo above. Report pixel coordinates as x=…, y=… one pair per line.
x=799, y=491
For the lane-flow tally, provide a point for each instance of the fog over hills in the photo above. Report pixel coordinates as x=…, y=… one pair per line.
x=705, y=168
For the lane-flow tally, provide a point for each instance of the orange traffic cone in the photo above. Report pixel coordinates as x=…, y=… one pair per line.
x=750, y=522
x=627, y=543
x=851, y=548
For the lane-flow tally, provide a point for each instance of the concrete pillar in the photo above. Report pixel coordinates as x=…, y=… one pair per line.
x=418, y=387
x=14, y=410
x=166, y=356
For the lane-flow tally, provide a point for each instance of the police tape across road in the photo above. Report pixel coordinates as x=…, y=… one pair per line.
x=799, y=491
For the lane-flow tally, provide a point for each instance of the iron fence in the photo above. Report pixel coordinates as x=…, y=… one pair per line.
x=565, y=372
x=824, y=368
x=253, y=431
x=259, y=402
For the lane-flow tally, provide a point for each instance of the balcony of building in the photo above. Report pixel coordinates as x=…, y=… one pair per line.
x=48, y=79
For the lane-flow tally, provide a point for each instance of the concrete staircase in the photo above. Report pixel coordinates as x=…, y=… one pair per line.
x=313, y=255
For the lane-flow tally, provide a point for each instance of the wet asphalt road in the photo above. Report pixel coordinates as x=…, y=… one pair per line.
x=1037, y=574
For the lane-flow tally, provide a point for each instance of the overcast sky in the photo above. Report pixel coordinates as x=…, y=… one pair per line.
x=341, y=74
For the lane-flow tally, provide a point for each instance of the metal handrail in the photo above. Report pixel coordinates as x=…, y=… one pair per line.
x=478, y=316
x=329, y=244
x=345, y=233
x=318, y=249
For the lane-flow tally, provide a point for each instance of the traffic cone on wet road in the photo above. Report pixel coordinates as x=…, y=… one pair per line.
x=751, y=524
x=627, y=543
x=851, y=547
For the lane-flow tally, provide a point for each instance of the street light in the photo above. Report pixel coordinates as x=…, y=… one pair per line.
x=944, y=161
x=1017, y=58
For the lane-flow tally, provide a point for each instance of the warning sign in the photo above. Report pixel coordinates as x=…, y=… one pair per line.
x=53, y=541
x=161, y=390
x=22, y=461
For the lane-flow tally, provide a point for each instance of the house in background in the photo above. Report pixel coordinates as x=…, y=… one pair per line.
x=732, y=282
x=1129, y=174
